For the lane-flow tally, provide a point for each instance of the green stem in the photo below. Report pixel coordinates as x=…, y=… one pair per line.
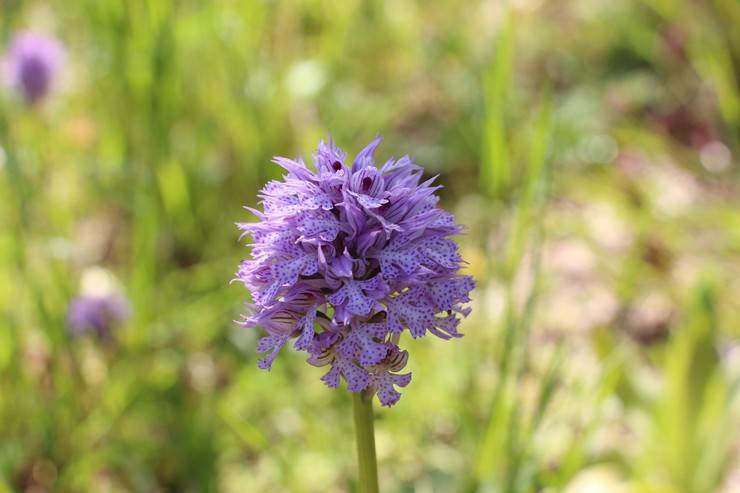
x=363, y=409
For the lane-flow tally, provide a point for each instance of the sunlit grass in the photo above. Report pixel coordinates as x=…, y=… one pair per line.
x=590, y=147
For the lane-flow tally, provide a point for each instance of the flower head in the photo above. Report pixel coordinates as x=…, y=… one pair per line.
x=32, y=64
x=348, y=257
x=97, y=314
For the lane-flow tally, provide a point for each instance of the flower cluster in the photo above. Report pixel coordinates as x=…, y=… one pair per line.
x=32, y=63
x=347, y=257
x=97, y=314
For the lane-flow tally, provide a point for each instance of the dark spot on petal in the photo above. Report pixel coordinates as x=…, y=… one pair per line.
x=367, y=182
x=336, y=165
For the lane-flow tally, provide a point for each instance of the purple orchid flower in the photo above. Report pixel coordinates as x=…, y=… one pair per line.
x=32, y=64
x=345, y=259
x=97, y=314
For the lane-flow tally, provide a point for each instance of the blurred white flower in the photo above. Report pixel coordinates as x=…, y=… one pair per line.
x=305, y=79
x=715, y=156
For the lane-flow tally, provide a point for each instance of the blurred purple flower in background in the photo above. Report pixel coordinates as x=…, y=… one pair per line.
x=344, y=259
x=97, y=314
x=32, y=64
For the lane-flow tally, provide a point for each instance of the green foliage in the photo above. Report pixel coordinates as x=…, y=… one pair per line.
x=589, y=146
x=691, y=449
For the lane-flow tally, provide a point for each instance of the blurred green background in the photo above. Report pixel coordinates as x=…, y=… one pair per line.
x=589, y=146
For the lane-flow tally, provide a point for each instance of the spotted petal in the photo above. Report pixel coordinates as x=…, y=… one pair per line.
x=362, y=343
x=357, y=378
x=273, y=344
